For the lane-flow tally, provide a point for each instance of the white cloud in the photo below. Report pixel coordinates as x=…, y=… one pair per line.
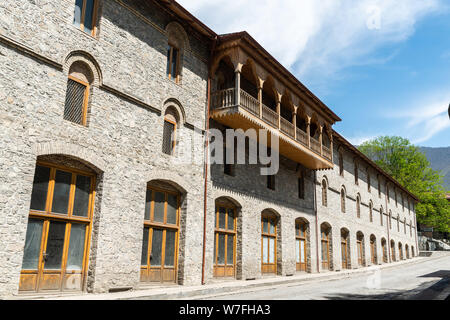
x=358, y=140
x=316, y=39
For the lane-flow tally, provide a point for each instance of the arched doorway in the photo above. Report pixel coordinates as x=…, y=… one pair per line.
x=393, y=250
x=413, y=254
x=301, y=244
x=326, y=246
x=373, y=249
x=225, y=238
x=159, y=260
x=269, y=243
x=400, y=251
x=345, y=248
x=360, y=249
x=407, y=251
x=384, y=250
x=60, y=221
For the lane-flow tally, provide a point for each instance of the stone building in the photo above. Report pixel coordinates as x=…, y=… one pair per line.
x=98, y=98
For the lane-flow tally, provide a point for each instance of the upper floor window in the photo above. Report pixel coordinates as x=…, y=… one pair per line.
x=77, y=93
x=169, y=131
x=368, y=180
x=342, y=200
x=371, y=211
x=398, y=223
x=395, y=195
x=381, y=216
x=379, y=187
x=387, y=193
x=85, y=15
x=358, y=206
x=173, y=60
x=390, y=219
x=341, y=164
x=356, y=173
x=324, y=193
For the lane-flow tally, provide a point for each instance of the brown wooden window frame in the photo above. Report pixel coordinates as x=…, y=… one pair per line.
x=324, y=193
x=47, y=216
x=269, y=267
x=173, y=136
x=94, y=17
x=148, y=270
x=325, y=241
x=176, y=77
x=300, y=235
x=85, y=99
x=229, y=269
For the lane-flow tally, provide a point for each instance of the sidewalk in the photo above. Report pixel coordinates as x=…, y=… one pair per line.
x=184, y=292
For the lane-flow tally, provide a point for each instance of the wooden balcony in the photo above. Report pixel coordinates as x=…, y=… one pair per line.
x=249, y=113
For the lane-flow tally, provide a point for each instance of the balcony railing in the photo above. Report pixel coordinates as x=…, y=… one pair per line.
x=302, y=137
x=326, y=152
x=287, y=127
x=227, y=98
x=315, y=145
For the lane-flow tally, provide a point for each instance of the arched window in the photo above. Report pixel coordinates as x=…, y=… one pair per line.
x=356, y=173
x=343, y=200
x=345, y=248
x=400, y=251
x=77, y=94
x=225, y=239
x=324, y=193
x=393, y=250
x=326, y=246
x=341, y=163
x=59, y=226
x=384, y=250
x=301, y=236
x=171, y=120
x=373, y=249
x=161, y=233
x=85, y=16
x=177, y=43
x=269, y=233
x=358, y=206
x=360, y=249
x=371, y=211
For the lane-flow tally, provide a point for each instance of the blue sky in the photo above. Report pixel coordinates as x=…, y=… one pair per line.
x=382, y=65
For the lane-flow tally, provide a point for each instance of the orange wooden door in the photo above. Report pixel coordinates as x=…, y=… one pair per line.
x=225, y=242
x=269, y=245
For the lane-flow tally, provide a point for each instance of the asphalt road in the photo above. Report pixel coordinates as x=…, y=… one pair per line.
x=425, y=280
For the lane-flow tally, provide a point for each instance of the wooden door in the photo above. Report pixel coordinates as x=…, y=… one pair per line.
x=57, y=239
x=359, y=247
x=325, y=245
x=344, y=253
x=384, y=249
x=269, y=245
x=300, y=246
x=225, y=242
x=160, y=239
x=392, y=252
x=373, y=251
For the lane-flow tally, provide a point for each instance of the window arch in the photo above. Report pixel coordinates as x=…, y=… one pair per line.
x=358, y=206
x=171, y=123
x=342, y=200
x=177, y=43
x=79, y=83
x=324, y=193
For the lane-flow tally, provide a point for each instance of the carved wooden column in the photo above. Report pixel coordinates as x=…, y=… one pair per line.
x=237, y=93
x=320, y=139
x=294, y=122
x=308, y=130
x=260, y=93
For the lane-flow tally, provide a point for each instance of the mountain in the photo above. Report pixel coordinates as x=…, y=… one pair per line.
x=440, y=160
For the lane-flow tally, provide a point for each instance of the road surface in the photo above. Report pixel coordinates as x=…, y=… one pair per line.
x=425, y=280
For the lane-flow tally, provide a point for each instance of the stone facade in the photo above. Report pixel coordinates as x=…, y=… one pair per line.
x=121, y=143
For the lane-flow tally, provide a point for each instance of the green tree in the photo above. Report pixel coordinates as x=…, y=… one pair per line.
x=410, y=167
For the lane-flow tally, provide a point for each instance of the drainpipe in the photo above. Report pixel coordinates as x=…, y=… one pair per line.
x=206, y=161
x=317, y=223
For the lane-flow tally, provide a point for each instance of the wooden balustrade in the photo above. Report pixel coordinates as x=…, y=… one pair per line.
x=287, y=127
x=226, y=98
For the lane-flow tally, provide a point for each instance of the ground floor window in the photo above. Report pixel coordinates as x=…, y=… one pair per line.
x=160, y=239
x=59, y=224
x=269, y=243
x=300, y=246
x=225, y=241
